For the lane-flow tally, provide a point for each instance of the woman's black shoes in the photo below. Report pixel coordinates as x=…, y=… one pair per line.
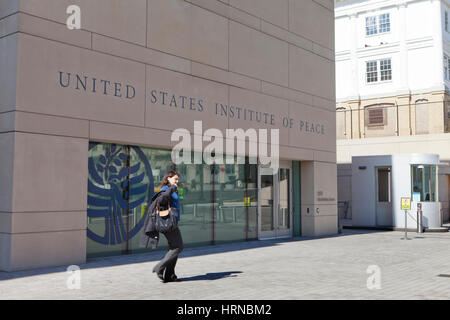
x=171, y=278
x=166, y=278
x=160, y=274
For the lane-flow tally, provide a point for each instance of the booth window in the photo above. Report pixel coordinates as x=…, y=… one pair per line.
x=423, y=182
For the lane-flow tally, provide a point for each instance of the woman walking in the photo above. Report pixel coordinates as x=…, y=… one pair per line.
x=165, y=269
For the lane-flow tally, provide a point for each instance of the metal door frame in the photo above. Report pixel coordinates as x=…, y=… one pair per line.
x=275, y=233
x=377, y=195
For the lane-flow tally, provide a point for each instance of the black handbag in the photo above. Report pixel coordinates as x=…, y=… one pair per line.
x=166, y=220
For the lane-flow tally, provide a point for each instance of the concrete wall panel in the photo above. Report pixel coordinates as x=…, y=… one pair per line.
x=182, y=29
x=219, y=75
x=44, y=68
x=258, y=55
x=6, y=171
x=53, y=30
x=176, y=100
x=39, y=250
x=5, y=251
x=115, y=133
x=312, y=21
x=311, y=73
x=121, y=19
x=318, y=198
x=326, y=183
x=275, y=107
x=313, y=128
x=37, y=123
x=135, y=52
x=9, y=25
x=32, y=222
x=275, y=12
x=8, y=74
x=50, y=173
x=8, y=7
x=228, y=12
x=7, y=122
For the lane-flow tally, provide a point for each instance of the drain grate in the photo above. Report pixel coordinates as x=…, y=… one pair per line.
x=444, y=275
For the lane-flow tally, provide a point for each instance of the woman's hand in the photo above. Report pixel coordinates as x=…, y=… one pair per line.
x=174, y=187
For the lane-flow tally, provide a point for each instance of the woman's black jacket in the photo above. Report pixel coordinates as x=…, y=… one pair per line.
x=149, y=233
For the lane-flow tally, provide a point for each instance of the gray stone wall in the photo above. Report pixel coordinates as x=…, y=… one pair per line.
x=271, y=56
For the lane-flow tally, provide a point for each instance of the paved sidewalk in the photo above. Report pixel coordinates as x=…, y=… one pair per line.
x=299, y=268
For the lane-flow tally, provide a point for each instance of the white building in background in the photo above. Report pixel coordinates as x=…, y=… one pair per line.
x=392, y=85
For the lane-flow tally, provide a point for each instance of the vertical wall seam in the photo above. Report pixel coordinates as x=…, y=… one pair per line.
x=145, y=96
x=146, y=23
x=17, y=72
x=229, y=36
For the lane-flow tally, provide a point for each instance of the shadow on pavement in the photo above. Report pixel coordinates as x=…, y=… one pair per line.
x=212, y=276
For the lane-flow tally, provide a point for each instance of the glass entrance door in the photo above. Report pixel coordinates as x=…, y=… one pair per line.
x=266, y=210
x=275, y=207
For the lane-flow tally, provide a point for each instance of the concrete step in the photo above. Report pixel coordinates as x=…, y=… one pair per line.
x=441, y=229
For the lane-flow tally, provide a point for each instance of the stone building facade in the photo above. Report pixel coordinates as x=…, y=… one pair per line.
x=87, y=115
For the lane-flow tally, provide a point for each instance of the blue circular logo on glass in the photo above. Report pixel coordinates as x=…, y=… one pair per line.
x=120, y=186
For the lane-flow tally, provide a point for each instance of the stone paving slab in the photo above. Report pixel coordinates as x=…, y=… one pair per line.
x=299, y=268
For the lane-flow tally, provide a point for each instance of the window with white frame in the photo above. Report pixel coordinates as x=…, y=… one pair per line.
x=385, y=70
x=378, y=24
x=371, y=26
x=378, y=70
x=385, y=23
x=371, y=71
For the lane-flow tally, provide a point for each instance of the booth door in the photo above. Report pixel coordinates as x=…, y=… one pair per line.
x=383, y=197
x=447, y=216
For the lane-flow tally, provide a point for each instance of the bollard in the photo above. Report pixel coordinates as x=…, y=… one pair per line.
x=419, y=218
x=406, y=225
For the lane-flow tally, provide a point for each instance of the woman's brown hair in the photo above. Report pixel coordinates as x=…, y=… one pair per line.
x=169, y=174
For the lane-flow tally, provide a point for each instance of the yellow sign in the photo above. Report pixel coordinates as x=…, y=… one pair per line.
x=406, y=203
x=144, y=209
x=247, y=201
